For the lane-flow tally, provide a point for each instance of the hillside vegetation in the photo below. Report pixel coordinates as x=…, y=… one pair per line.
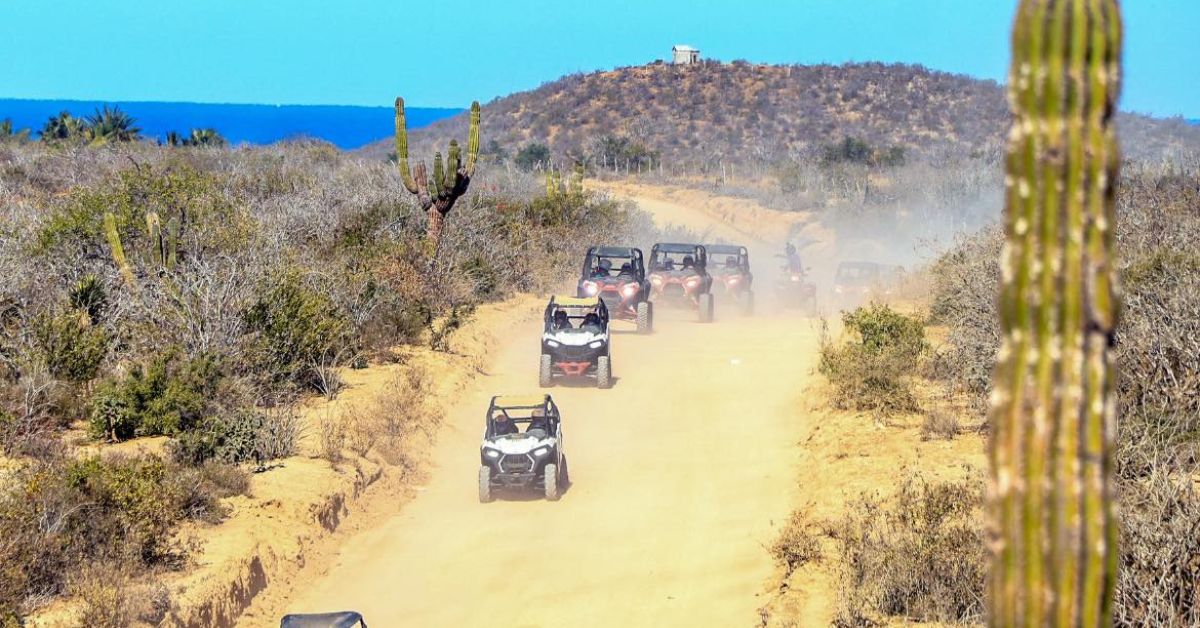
x=696, y=118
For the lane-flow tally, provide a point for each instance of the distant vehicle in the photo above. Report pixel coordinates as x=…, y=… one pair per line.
x=617, y=275
x=522, y=447
x=679, y=275
x=730, y=269
x=343, y=619
x=575, y=341
x=856, y=282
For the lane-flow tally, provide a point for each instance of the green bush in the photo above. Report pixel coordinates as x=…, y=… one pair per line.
x=168, y=397
x=532, y=156
x=871, y=370
x=71, y=346
x=59, y=516
x=298, y=329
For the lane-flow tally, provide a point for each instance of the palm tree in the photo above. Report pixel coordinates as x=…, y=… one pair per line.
x=9, y=134
x=205, y=137
x=63, y=127
x=111, y=125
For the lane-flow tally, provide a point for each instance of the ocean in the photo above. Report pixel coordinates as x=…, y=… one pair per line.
x=344, y=126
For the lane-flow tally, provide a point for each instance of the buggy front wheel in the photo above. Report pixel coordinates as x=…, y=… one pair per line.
x=551, y=482
x=604, y=372
x=545, y=372
x=485, y=484
x=705, y=303
x=645, y=317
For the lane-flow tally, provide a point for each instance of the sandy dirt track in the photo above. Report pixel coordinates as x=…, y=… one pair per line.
x=680, y=475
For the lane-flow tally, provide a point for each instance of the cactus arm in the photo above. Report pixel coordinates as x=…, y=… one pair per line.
x=439, y=175
x=402, y=148
x=172, y=252
x=1054, y=414
x=453, y=161
x=473, y=139
x=118, y=251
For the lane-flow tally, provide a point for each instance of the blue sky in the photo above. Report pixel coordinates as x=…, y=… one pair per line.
x=443, y=53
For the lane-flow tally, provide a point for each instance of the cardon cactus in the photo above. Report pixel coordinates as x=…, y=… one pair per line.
x=450, y=179
x=1053, y=412
x=113, y=235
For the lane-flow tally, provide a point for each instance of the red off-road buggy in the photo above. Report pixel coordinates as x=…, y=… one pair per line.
x=617, y=275
x=730, y=269
x=679, y=275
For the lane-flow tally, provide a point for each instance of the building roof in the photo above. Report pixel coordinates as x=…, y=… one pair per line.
x=684, y=48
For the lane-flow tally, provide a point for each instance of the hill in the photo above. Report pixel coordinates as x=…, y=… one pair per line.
x=344, y=126
x=699, y=116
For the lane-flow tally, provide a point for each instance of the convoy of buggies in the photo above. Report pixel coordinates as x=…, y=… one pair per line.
x=522, y=446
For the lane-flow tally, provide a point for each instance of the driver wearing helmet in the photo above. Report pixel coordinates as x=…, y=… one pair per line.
x=793, y=259
x=561, y=320
x=501, y=426
x=602, y=269
x=731, y=262
x=688, y=262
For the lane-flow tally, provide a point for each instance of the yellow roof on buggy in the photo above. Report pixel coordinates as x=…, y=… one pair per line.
x=521, y=401
x=565, y=301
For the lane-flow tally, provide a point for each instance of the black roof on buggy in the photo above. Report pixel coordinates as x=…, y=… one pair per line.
x=344, y=619
x=675, y=247
x=725, y=249
x=614, y=251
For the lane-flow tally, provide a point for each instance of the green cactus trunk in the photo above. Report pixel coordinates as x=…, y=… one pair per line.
x=450, y=178
x=1054, y=414
x=118, y=250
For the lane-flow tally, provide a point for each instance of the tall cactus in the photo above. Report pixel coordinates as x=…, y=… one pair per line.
x=450, y=180
x=113, y=235
x=1054, y=414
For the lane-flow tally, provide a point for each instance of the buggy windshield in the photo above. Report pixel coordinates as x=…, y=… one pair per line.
x=611, y=266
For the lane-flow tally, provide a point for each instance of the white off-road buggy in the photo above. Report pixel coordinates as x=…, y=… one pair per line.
x=575, y=341
x=522, y=447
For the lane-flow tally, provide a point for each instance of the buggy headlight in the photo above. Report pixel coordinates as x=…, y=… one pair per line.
x=693, y=281
x=796, y=278
x=629, y=289
x=656, y=280
x=734, y=280
x=541, y=451
x=596, y=345
x=591, y=288
x=491, y=453
x=553, y=344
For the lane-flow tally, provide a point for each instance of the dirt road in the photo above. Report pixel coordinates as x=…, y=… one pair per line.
x=680, y=475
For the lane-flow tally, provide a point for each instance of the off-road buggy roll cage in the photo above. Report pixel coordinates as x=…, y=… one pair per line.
x=671, y=256
x=723, y=253
x=521, y=410
x=620, y=260
x=343, y=619
x=577, y=310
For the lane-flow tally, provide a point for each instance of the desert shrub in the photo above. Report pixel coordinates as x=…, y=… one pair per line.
x=169, y=396
x=797, y=543
x=297, y=329
x=1159, y=574
x=59, y=516
x=940, y=423
x=249, y=434
x=921, y=557
x=72, y=347
x=849, y=150
x=459, y=316
x=531, y=156
x=966, y=282
x=870, y=370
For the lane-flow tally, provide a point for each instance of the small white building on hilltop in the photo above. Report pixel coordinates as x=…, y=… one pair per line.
x=684, y=55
